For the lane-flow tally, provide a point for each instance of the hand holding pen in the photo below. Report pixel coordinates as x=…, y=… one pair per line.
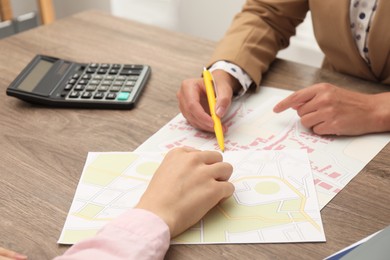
x=193, y=100
x=211, y=98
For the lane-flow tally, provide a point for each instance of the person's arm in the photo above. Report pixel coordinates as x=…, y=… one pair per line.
x=184, y=188
x=6, y=254
x=136, y=234
x=257, y=33
x=331, y=110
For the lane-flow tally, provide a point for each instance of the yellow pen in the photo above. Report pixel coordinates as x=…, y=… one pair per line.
x=208, y=82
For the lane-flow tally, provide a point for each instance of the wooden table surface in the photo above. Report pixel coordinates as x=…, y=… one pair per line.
x=43, y=150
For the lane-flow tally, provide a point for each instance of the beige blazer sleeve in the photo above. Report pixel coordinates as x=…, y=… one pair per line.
x=258, y=32
x=264, y=27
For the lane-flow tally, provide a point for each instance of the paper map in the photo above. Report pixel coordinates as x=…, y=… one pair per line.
x=254, y=126
x=274, y=199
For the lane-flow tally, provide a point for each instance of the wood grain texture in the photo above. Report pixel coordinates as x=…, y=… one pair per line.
x=43, y=150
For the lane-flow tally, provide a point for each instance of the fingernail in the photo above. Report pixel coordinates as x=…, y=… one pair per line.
x=220, y=111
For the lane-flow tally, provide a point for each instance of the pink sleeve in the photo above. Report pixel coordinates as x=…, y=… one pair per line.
x=136, y=234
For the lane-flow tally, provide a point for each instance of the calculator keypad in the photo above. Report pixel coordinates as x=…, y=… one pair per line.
x=98, y=82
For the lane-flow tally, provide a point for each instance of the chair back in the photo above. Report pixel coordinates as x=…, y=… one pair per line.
x=45, y=8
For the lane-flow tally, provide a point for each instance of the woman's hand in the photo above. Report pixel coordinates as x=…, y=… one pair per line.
x=193, y=104
x=331, y=110
x=6, y=254
x=186, y=186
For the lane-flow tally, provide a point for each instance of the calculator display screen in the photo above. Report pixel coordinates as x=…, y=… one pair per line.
x=35, y=75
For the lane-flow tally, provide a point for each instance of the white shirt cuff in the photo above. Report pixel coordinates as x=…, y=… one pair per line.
x=236, y=72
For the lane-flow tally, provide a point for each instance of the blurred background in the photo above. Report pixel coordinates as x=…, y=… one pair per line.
x=201, y=18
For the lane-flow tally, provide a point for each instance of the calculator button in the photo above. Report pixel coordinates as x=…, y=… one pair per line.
x=116, y=66
x=103, y=88
x=79, y=87
x=133, y=67
x=130, y=83
x=98, y=77
x=111, y=96
x=64, y=93
x=93, y=65
x=72, y=81
x=110, y=77
x=74, y=94
x=76, y=76
x=90, y=70
x=90, y=88
x=135, y=78
x=121, y=78
x=130, y=72
x=113, y=72
x=115, y=89
x=98, y=95
x=106, y=82
x=94, y=82
x=86, y=76
x=127, y=89
x=118, y=83
x=82, y=82
x=102, y=71
x=123, y=96
x=68, y=87
x=104, y=66
x=86, y=95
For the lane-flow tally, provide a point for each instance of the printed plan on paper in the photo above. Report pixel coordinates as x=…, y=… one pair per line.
x=278, y=164
x=254, y=126
x=274, y=199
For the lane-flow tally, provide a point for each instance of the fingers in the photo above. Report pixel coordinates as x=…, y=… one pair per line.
x=218, y=186
x=224, y=99
x=317, y=123
x=296, y=99
x=310, y=119
x=210, y=157
x=193, y=104
x=8, y=254
x=185, y=149
x=216, y=168
x=222, y=190
x=207, y=157
x=223, y=102
x=324, y=129
x=226, y=189
x=326, y=109
x=224, y=84
x=186, y=186
x=221, y=171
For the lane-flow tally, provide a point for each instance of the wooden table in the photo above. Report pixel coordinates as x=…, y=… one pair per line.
x=43, y=150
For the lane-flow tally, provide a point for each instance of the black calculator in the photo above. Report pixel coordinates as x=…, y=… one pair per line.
x=56, y=82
